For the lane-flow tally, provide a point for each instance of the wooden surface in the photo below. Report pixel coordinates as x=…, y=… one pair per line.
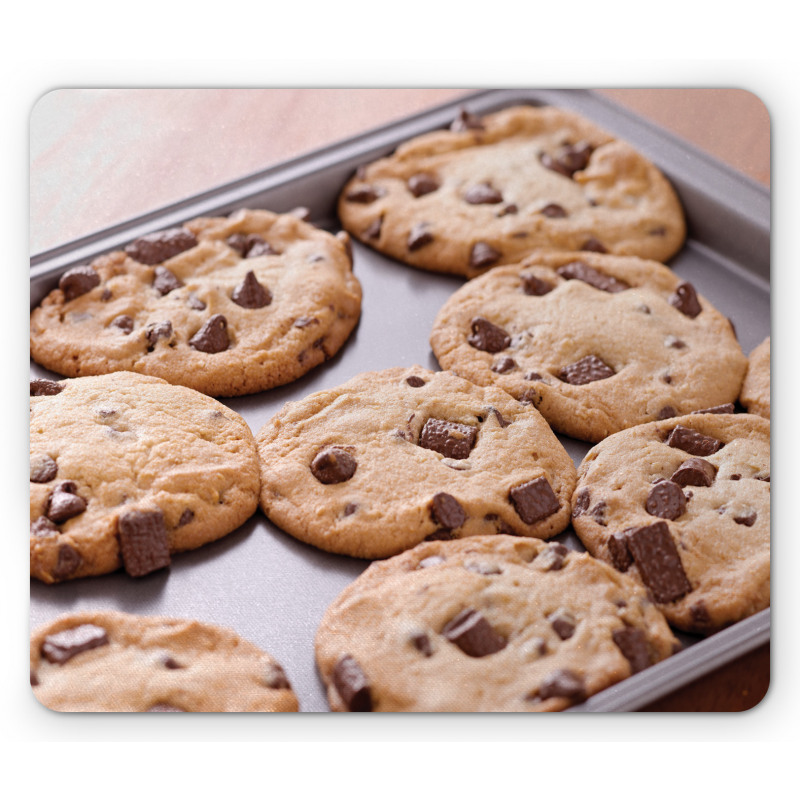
x=99, y=157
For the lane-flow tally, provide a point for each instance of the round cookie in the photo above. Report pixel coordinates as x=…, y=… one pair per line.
x=390, y=458
x=126, y=469
x=493, y=623
x=225, y=305
x=755, y=393
x=492, y=189
x=684, y=505
x=597, y=343
x=110, y=661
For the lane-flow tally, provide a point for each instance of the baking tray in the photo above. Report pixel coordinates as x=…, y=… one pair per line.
x=273, y=589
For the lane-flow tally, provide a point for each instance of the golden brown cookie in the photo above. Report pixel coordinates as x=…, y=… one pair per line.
x=755, y=394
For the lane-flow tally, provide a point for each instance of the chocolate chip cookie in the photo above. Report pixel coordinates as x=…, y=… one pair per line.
x=684, y=505
x=127, y=469
x=597, y=343
x=755, y=394
x=391, y=458
x=494, y=623
x=110, y=661
x=492, y=189
x=225, y=305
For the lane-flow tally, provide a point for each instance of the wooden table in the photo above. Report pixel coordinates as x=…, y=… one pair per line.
x=99, y=157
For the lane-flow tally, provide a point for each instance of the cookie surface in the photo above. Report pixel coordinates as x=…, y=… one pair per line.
x=494, y=623
x=684, y=505
x=225, y=305
x=378, y=464
x=597, y=343
x=110, y=661
x=755, y=396
x=490, y=190
x=126, y=469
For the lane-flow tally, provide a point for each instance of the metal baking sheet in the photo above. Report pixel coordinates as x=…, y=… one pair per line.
x=273, y=589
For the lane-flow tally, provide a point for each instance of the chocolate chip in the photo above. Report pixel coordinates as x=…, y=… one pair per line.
x=67, y=563
x=675, y=342
x=34, y=679
x=419, y=236
x=350, y=509
x=43, y=469
x=534, y=500
x=170, y=663
x=581, y=507
x=568, y=159
x=250, y=293
x=238, y=242
x=535, y=286
x=143, y=542
x=658, y=561
x=618, y=552
x=699, y=612
x=482, y=193
x=213, y=336
x=164, y=707
x=694, y=443
x=186, y=517
x=373, y=230
x=352, y=685
x=578, y=270
x=632, y=642
x=447, y=511
x=415, y=381
x=157, y=247
x=422, y=183
x=156, y=331
x=123, y=322
x=42, y=526
x=58, y=648
x=195, y=302
x=551, y=559
x=471, y=632
x=466, y=122
x=553, y=211
x=725, y=408
x=563, y=623
x=275, y=677
x=64, y=504
x=667, y=412
x=255, y=246
x=694, y=472
x=685, y=300
x=587, y=370
x=450, y=439
x=511, y=208
x=503, y=365
x=666, y=500
x=364, y=194
x=487, y=336
x=504, y=423
x=594, y=245
x=562, y=683
x=333, y=465
x=747, y=518
x=166, y=281
x=423, y=643
x=483, y=255
x=41, y=387
x=77, y=281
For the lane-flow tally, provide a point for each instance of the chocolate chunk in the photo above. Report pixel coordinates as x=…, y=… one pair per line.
x=632, y=642
x=373, y=230
x=43, y=469
x=447, y=511
x=725, y=408
x=419, y=236
x=699, y=612
x=166, y=281
x=618, y=552
x=482, y=193
x=674, y=342
x=694, y=472
x=553, y=211
x=423, y=643
x=658, y=561
x=450, y=439
x=213, y=336
x=504, y=423
x=193, y=301
x=352, y=685
x=552, y=557
x=422, y=183
x=67, y=563
x=587, y=370
x=487, y=336
x=350, y=509
x=503, y=365
x=77, y=281
x=333, y=465
x=157, y=247
x=275, y=677
x=58, y=648
x=594, y=245
x=685, y=300
x=164, y=707
x=568, y=159
x=747, y=518
x=34, y=679
x=563, y=623
x=466, y=122
x=250, y=293
x=415, y=381
x=578, y=270
x=667, y=412
x=581, y=507
x=186, y=517
x=255, y=246
x=170, y=663
x=156, y=331
x=471, y=632
x=144, y=547
x=511, y=208
x=483, y=255
x=123, y=322
x=41, y=387
x=64, y=504
x=364, y=194
x=694, y=443
x=535, y=286
x=534, y=500
x=238, y=242
x=42, y=526
x=562, y=683
x=665, y=500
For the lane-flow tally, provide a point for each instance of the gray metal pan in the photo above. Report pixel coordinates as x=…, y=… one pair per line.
x=273, y=589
